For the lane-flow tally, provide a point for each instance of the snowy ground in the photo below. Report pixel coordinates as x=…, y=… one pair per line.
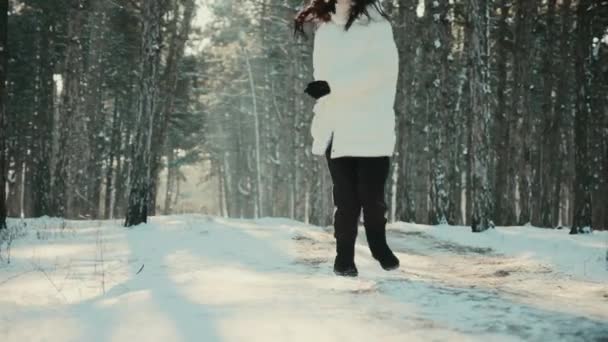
x=200, y=278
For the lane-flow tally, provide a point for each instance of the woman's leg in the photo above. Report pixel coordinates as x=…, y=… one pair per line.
x=346, y=217
x=372, y=173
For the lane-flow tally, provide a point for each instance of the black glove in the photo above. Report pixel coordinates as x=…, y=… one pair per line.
x=317, y=89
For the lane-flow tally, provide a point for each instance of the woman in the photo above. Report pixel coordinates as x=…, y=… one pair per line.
x=355, y=64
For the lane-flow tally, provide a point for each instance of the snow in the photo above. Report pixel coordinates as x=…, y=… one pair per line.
x=420, y=8
x=204, y=278
x=582, y=256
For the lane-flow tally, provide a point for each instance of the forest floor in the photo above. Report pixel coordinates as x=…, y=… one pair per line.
x=202, y=278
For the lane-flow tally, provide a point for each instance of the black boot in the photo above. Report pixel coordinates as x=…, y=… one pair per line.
x=376, y=239
x=344, y=265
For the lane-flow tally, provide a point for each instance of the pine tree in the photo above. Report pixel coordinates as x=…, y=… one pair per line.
x=140, y=174
x=177, y=38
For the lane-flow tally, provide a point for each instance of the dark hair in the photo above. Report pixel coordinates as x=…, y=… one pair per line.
x=320, y=10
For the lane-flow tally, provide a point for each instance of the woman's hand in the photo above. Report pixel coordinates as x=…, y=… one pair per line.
x=317, y=89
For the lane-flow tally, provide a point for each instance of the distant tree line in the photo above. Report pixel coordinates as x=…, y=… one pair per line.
x=502, y=110
x=100, y=94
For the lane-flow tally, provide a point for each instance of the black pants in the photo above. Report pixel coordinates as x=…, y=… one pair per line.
x=358, y=183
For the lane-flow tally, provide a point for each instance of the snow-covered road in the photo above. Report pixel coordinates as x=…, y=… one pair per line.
x=200, y=278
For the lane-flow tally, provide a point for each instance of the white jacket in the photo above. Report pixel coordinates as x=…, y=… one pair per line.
x=361, y=66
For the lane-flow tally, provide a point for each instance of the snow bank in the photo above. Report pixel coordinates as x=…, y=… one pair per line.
x=583, y=256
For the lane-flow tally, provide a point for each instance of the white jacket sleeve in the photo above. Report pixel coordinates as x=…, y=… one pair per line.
x=376, y=66
x=322, y=125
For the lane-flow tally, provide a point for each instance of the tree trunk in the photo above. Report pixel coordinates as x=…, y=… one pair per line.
x=582, y=179
x=598, y=121
x=43, y=128
x=549, y=136
x=437, y=47
x=479, y=78
x=463, y=115
x=95, y=108
x=170, y=183
x=562, y=111
x=72, y=147
x=112, y=157
x=123, y=160
x=169, y=86
x=256, y=117
x=3, y=112
x=15, y=182
x=405, y=31
x=504, y=213
x=523, y=120
x=139, y=182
